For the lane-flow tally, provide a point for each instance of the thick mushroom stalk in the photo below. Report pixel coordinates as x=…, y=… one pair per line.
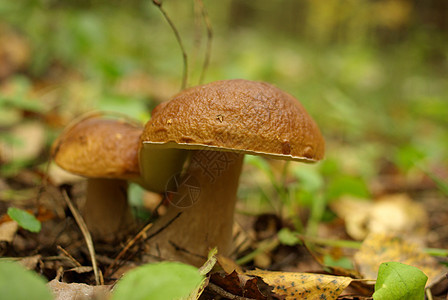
x=105, y=151
x=106, y=210
x=219, y=122
x=205, y=199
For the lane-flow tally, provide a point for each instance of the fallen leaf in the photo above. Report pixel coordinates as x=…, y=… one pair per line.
x=242, y=285
x=355, y=223
x=73, y=291
x=228, y=265
x=30, y=262
x=304, y=285
x=396, y=214
x=379, y=247
x=8, y=231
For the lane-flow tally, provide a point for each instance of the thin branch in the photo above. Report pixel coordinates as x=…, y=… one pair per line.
x=158, y=3
x=164, y=226
x=178, y=248
x=223, y=293
x=71, y=258
x=208, y=51
x=126, y=248
x=87, y=237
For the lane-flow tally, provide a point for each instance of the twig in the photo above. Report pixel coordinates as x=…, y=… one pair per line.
x=178, y=248
x=140, y=235
x=72, y=259
x=223, y=293
x=129, y=244
x=87, y=237
x=163, y=227
x=208, y=51
x=428, y=294
x=158, y=3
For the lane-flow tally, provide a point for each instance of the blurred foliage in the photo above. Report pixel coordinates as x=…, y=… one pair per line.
x=373, y=74
x=24, y=219
x=16, y=282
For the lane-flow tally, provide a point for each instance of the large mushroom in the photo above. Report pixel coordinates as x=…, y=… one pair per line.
x=214, y=126
x=105, y=151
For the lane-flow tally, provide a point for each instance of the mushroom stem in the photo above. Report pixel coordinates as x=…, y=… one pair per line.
x=106, y=211
x=206, y=197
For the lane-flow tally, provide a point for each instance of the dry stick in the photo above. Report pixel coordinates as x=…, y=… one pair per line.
x=125, y=249
x=221, y=292
x=208, y=51
x=140, y=235
x=428, y=294
x=163, y=227
x=87, y=237
x=72, y=259
x=178, y=248
x=197, y=39
x=158, y=3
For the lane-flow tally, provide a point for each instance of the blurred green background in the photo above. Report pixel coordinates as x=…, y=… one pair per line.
x=372, y=73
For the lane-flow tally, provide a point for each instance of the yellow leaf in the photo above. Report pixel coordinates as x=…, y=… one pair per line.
x=380, y=247
x=304, y=285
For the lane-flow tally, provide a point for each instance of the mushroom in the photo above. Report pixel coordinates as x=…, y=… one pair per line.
x=105, y=151
x=214, y=126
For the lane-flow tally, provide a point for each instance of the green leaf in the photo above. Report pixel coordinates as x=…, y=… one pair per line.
x=309, y=178
x=160, y=281
x=24, y=219
x=347, y=185
x=287, y=237
x=20, y=284
x=399, y=281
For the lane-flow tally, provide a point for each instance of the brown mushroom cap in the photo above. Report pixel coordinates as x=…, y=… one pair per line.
x=236, y=115
x=99, y=148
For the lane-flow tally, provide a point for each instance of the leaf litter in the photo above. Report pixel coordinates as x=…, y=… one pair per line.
x=62, y=257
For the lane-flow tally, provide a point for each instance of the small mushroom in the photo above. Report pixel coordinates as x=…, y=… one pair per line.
x=105, y=151
x=214, y=126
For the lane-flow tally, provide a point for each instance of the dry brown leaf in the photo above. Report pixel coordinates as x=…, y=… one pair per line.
x=228, y=265
x=8, y=231
x=242, y=285
x=355, y=223
x=379, y=247
x=78, y=291
x=30, y=262
x=304, y=285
